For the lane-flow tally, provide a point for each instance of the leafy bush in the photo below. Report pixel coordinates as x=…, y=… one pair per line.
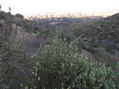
x=59, y=66
x=65, y=35
x=46, y=33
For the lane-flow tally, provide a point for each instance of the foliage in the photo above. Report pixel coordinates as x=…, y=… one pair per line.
x=19, y=16
x=4, y=15
x=59, y=66
x=65, y=35
x=46, y=33
x=11, y=56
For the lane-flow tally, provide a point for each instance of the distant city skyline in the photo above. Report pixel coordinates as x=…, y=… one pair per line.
x=31, y=7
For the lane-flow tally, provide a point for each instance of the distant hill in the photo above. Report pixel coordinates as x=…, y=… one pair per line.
x=107, y=28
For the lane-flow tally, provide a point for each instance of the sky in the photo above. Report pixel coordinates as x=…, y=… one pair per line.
x=27, y=7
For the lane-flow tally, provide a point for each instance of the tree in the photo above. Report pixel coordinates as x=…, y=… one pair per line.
x=19, y=16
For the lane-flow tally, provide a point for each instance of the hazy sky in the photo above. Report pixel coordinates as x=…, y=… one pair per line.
x=26, y=7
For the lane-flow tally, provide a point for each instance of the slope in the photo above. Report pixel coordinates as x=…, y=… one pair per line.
x=101, y=38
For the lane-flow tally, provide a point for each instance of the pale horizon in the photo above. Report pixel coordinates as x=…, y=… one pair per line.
x=31, y=7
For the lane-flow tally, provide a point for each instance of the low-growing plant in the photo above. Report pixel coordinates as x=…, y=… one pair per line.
x=60, y=66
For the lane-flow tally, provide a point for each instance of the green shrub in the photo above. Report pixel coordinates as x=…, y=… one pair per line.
x=46, y=33
x=65, y=35
x=59, y=66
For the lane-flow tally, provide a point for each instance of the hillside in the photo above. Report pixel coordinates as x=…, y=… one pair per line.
x=97, y=36
x=101, y=38
x=45, y=54
x=106, y=28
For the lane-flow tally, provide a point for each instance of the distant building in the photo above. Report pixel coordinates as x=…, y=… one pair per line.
x=54, y=23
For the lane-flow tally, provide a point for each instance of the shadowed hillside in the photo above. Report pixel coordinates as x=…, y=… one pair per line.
x=58, y=53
